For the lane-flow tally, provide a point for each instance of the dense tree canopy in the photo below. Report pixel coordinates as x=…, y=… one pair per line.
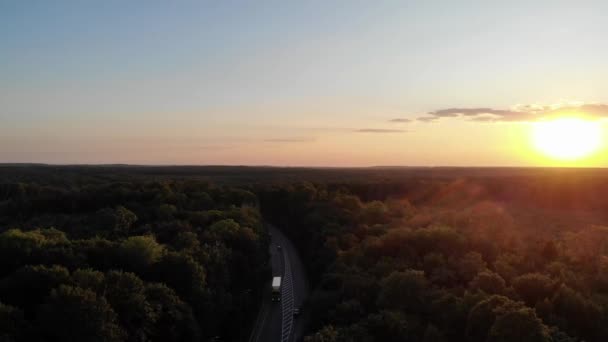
x=127, y=260
x=453, y=262
x=160, y=254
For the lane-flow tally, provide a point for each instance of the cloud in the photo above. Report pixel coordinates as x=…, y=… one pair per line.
x=428, y=118
x=595, y=110
x=289, y=140
x=452, y=112
x=379, y=130
x=520, y=113
x=400, y=120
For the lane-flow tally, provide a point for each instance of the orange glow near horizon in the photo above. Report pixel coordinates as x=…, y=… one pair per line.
x=567, y=139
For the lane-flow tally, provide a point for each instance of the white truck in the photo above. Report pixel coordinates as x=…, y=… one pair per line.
x=276, y=289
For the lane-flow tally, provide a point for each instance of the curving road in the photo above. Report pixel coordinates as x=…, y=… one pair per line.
x=275, y=322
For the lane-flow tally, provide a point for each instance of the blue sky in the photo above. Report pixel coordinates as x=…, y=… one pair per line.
x=145, y=81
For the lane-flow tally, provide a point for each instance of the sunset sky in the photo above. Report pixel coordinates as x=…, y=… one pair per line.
x=319, y=83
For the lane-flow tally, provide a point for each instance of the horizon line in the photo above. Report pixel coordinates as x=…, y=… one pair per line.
x=25, y=164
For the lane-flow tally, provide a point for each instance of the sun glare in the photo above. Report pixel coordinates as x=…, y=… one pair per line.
x=567, y=138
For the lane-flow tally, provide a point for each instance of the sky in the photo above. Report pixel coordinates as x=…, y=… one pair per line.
x=296, y=83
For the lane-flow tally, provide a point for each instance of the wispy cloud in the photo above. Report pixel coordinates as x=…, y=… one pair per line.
x=520, y=113
x=379, y=130
x=289, y=140
x=400, y=120
x=451, y=112
x=427, y=118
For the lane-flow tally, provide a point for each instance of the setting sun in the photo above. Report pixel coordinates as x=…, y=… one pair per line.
x=567, y=138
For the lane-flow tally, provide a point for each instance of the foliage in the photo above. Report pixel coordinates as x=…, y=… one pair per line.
x=130, y=259
x=160, y=254
x=443, y=260
x=76, y=314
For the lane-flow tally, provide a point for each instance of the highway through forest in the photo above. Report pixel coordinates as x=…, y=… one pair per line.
x=276, y=321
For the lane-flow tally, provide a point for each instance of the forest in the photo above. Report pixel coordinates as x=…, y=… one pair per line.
x=492, y=258
x=122, y=253
x=89, y=259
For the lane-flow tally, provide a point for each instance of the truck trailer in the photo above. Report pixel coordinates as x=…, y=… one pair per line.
x=276, y=289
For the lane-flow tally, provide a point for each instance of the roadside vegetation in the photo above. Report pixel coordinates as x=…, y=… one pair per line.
x=450, y=260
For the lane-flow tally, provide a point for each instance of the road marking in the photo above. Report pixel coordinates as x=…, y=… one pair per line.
x=266, y=307
x=287, y=301
x=287, y=298
x=255, y=336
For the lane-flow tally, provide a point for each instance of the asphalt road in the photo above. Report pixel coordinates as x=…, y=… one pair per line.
x=275, y=322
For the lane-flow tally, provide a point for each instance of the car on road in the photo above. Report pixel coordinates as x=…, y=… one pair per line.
x=296, y=312
x=276, y=289
x=278, y=246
